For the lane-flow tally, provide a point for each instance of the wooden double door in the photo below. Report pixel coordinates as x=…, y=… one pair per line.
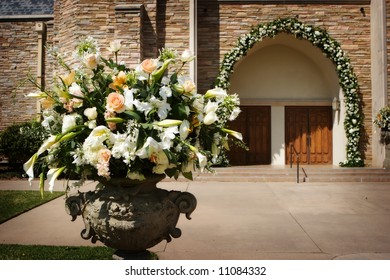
x=254, y=122
x=309, y=130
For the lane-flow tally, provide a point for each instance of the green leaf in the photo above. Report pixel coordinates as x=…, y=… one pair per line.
x=171, y=156
x=141, y=138
x=170, y=172
x=179, y=111
x=188, y=175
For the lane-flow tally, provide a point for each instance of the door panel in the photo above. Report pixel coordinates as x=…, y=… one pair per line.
x=309, y=129
x=255, y=125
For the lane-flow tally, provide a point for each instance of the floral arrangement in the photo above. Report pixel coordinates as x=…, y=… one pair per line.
x=383, y=118
x=106, y=120
x=321, y=39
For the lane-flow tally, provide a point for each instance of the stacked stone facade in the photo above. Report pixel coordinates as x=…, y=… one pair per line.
x=146, y=26
x=18, y=58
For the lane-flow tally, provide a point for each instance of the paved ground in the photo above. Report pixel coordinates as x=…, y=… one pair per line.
x=245, y=221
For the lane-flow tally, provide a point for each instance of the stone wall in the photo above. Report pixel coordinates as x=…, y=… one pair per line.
x=221, y=23
x=143, y=26
x=18, y=57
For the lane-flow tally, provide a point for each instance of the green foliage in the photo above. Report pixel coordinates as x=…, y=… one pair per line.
x=19, y=142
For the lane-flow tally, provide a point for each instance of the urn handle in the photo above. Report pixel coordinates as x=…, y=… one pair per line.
x=185, y=201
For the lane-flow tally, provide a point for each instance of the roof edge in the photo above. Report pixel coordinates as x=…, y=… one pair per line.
x=46, y=17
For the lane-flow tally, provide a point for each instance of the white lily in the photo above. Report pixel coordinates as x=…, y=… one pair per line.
x=202, y=159
x=184, y=129
x=29, y=167
x=163, y=107
x=129, y=98
x=52, y=175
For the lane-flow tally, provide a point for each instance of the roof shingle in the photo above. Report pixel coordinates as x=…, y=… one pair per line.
x=26, y=7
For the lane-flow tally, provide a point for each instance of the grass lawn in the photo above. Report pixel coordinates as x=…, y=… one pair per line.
x=38, y=252
x=13, y=203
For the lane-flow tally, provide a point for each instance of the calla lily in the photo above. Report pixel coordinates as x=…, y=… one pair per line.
x=210, y=118
x=202, y=159
x=169, y=123
x=215, y=92
x=52, y=175
x=158, y=73
x=29, y=167
x=233, y=133
x=47, y=144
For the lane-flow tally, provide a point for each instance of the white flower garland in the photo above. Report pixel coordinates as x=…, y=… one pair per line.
x=321, y=39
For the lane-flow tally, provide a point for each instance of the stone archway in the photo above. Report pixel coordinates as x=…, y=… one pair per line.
x=332, y=49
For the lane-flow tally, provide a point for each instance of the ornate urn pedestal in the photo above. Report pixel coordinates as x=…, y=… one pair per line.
x=129, y=215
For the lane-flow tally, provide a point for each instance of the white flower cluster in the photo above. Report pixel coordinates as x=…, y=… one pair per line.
x=107, y=120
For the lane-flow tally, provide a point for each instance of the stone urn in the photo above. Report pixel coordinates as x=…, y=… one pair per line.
x=130, y=215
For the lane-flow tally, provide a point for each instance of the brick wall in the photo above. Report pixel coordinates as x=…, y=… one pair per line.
x=143, y=26
x=18, y=57
x=220, y=25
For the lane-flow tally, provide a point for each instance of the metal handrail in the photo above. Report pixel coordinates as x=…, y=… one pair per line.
x=292, y=151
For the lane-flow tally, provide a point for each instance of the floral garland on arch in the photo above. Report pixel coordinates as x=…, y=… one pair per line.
x=321, y=39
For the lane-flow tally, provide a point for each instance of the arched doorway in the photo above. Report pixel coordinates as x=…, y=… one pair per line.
x=350, y=112
x=289, y=85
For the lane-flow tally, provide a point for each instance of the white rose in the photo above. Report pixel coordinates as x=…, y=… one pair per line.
x=187, y=56
x=68, y=122
x=91, y=113
x=91, y=60
x=115, y=46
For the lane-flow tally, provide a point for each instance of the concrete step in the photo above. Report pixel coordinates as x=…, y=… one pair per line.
x=286, y=174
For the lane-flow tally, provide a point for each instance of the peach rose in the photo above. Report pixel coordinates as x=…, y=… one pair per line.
x=115, y=102
x=149, y=65
x=104, y=155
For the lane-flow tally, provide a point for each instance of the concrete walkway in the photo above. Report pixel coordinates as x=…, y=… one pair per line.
x=244, y=220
